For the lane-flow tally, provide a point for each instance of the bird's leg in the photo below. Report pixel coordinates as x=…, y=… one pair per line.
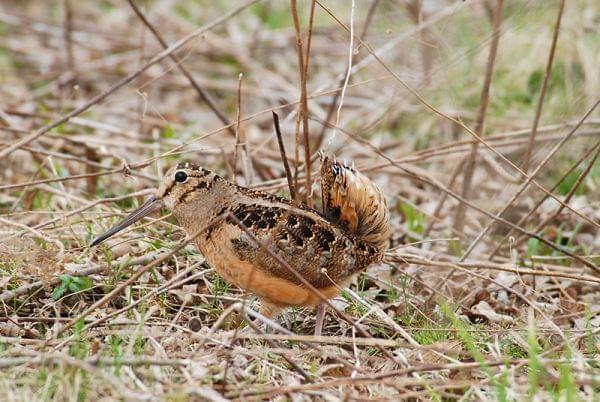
x=321, y=310
x=268, y=310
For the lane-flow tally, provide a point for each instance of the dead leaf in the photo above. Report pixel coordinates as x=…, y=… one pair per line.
x=483, y=308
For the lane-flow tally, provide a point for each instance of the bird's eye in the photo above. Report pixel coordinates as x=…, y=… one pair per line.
x=180, y=176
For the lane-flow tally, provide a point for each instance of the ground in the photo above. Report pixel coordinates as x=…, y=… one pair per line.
x=479, y=119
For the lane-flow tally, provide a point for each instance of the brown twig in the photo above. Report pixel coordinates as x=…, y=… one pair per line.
x=561, y=249
x=59, y=179
x=8, y=295
x=440, y=204
x=303, y=113
x=474, y=264
x=286, y=166
x=237, y=128
x=68, y=35
x=273, y=391
x=540, y=102
x=459, y=217
x=274, y=345
x=171, y=284
x=333, y=103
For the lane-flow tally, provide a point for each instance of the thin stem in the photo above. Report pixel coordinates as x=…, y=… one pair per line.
x=303, y=115
x=284, y=160
x=540, y=103
x=459, y=217
x=68, y=36
x=237, y=127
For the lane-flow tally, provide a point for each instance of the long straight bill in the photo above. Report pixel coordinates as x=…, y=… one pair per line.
x=153, y=204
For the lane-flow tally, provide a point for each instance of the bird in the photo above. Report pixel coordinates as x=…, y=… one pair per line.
x=327, y=248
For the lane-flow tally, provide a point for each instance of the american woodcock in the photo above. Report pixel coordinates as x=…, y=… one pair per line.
x=327, y=249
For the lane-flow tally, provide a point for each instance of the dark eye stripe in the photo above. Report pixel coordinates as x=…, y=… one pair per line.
x=184, y=195
x=168, y=190
x=199, y=186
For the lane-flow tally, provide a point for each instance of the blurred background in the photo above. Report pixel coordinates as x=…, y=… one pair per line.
x=93, y=110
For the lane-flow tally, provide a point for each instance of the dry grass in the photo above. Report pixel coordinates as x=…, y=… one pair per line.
x=490, y=290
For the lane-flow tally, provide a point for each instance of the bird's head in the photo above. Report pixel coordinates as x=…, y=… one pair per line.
x=181, y=185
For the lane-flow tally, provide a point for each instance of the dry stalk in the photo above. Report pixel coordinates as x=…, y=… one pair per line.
x=68, y=36
x=540, y=102
x=238, y=133
x=459, y=217
x=284, y=160
x=303, y=113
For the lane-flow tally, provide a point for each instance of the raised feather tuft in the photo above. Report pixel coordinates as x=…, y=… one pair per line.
x=354, y=203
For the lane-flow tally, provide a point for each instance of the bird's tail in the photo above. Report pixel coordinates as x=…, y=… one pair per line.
x=354, y=203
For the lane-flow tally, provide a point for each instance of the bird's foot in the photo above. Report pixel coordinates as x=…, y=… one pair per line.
x=320, y=319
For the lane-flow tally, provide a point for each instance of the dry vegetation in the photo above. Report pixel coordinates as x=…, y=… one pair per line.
x=490, y=289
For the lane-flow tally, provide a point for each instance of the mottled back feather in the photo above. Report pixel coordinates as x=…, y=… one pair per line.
x=322, y=251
